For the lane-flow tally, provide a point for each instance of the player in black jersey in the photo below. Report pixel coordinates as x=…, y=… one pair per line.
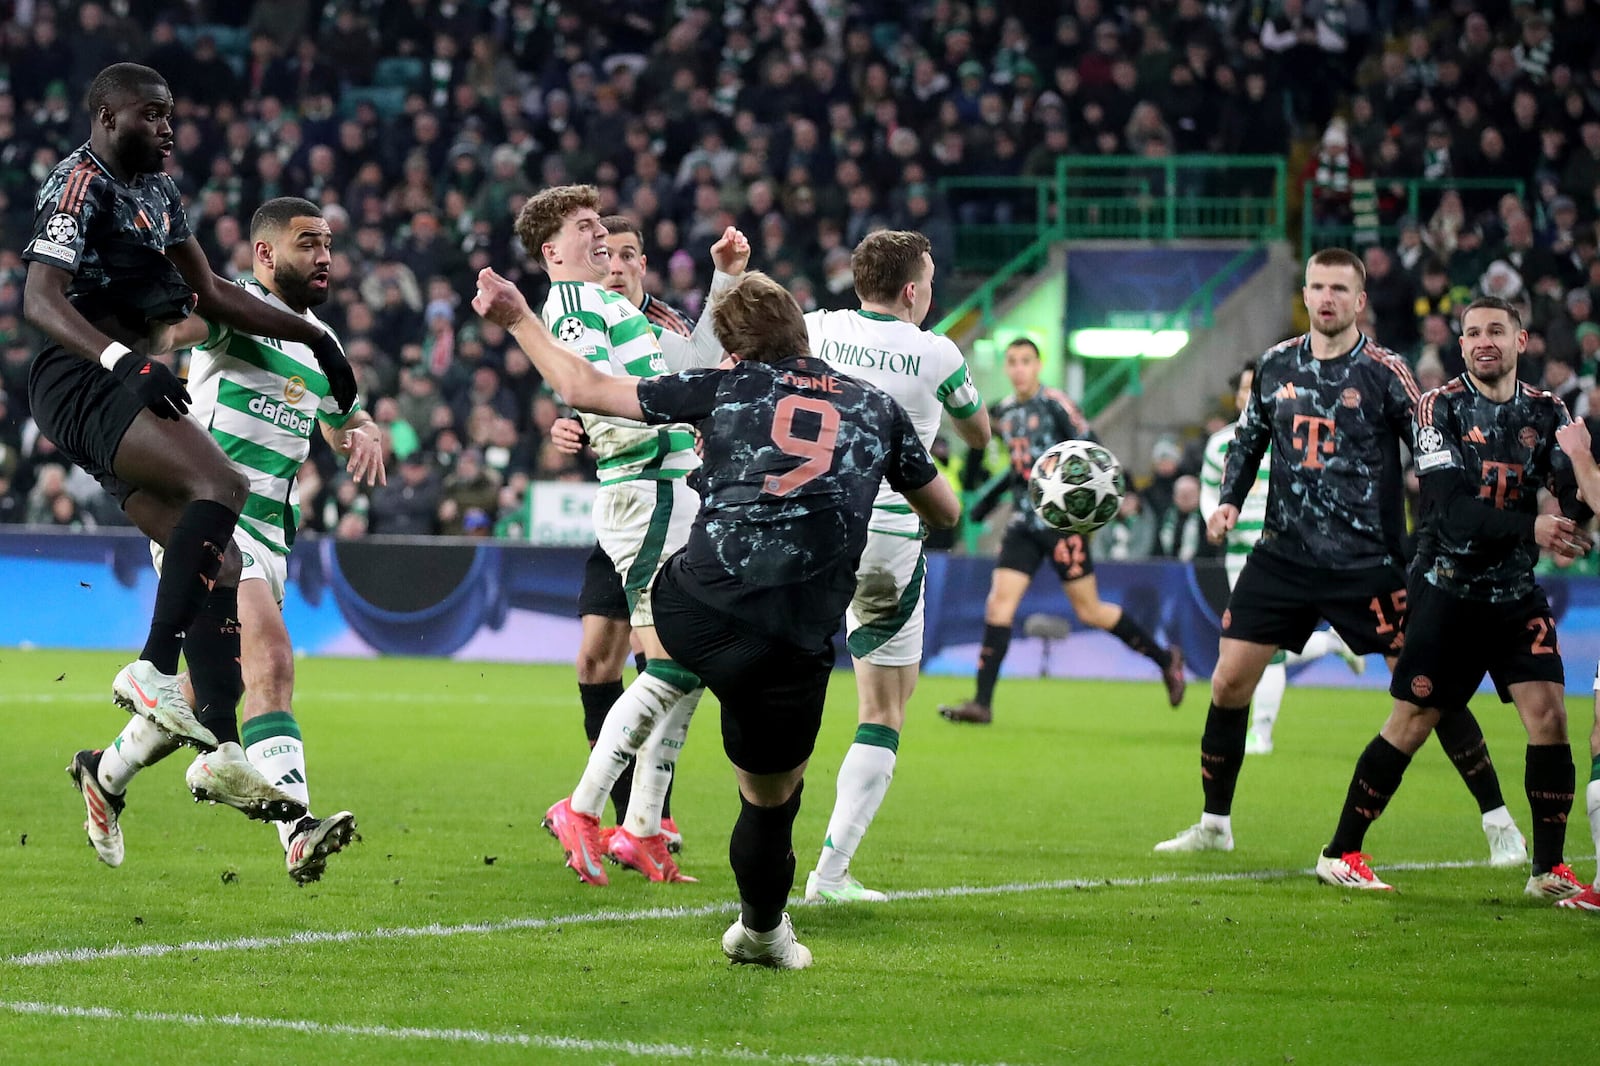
x=1485, y=445
x=1334, y=408
x=112, y=265
x=794, y=454
x=1030, y=421
x=1574, y=440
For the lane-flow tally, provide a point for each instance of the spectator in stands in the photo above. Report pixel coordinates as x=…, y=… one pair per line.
x=1165, y=459
x=408, y=505
x=1561, y=378
x=1392, y=299
x=1330, y=171
x=1130, y=535
x=1182, y=534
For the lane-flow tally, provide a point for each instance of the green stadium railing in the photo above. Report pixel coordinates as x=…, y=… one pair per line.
x=1201, y=197
x=1360, y=232
x=1119, y=377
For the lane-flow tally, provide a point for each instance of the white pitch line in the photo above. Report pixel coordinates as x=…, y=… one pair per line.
x=300, y=939
x=460, y=1036
x=311, y=699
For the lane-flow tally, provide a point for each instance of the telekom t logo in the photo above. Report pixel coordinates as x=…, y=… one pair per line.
x=1317, y=441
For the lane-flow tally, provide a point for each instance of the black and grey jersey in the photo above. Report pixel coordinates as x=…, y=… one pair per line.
x=1474, y=455
x=1030, y=427
x=794, y=453
x=1336, y=499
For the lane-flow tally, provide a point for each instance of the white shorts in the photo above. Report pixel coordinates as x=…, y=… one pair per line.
x=640, y=524
x=883, y=624
x=261, y=563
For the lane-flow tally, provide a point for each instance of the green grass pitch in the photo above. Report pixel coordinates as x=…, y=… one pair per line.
x=1032, y=924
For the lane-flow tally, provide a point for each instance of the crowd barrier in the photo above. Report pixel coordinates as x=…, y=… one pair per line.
x=494, y=600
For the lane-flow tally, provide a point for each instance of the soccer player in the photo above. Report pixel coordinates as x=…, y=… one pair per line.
x=642, y=515
x=1241, y=538
x=1485, y=445
x=1031, y=420
x=1574, y=440
x=794, y=456
x=602, y=604
x=883, y=344
x=112, y=266
x=1334, y=408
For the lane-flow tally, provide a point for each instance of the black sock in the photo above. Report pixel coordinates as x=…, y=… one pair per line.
x=640, y=661
x=597, y=699
x=1377, y=776
x=194, y=551
x=1462, y=739
x=996, y=642
x=761, y=852
x=1550, y=781
x=1221, y=755
x=1133, y=635
x=211, y=651
x=666, y=801
x=622, y=792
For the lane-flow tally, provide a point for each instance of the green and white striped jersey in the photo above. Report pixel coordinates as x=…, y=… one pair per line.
x=260, y=399
x=1252, y=514
x=923, y=371
x=606, y=329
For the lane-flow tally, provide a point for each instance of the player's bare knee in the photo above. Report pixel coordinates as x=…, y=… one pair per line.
x=595, y=669
x=220, y=483
x=1099, y=615
x=1546, y=721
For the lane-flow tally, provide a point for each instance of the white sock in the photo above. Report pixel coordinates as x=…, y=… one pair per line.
x=1223, y=822
x=864, y=778
x=1593, y=796
x=1268, y=699
x=273, y=746
x=652, y=767
x=141, y=743
x=627, y=726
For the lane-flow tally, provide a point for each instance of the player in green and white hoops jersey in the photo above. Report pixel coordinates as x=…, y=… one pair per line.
x=1241, y=539
x=261, y=399
x=883, y=344
x=643, y=514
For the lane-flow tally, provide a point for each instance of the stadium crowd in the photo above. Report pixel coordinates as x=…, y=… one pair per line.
x=421, y=127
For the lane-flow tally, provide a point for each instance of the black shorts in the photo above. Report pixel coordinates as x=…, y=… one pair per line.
x=1276, y=602
x=771, y=692
x=1024, y=547
x=601, y=593
x=1452, y=642
x=84, y=411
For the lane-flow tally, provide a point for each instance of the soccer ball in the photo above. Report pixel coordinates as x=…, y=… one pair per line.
x=1077, y=486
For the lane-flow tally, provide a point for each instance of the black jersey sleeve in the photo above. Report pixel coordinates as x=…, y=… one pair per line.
x=909, y=467
x=1447, y=496
x=685, y=397
x=1252, y=434
x=69, y=203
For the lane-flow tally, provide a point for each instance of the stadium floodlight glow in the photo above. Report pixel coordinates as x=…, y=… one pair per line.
x=1127, y=343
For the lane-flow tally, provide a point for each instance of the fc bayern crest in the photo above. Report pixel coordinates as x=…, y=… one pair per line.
x=62, y=228
x=1351, y=398
x=1529, y=437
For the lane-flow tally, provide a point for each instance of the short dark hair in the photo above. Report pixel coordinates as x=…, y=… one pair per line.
x=1493, y=303
x=1238, y=375
x=757, y=319
x=1028, y=342
x=886, y=262
x=277, y=213
x=1341, y=257
x=120, y=79
x=623, y=224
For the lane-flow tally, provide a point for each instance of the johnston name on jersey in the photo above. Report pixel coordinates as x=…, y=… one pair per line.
x=1503, y=454
x=260, y=399
x=923, y=371
x=1334, y=427
x=606, y=329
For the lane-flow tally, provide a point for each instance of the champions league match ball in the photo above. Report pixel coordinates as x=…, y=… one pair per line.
x=1077, y=486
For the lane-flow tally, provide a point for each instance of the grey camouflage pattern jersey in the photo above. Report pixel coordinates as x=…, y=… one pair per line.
x=1336, y=498
x=794, y=453
x=83, y=216
x=1028, y=428
x=1503, y=453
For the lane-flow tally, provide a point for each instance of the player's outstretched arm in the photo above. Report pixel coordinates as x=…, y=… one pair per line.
x=570, y=375
x=360, y=442
x=974, y=430
x=701, y=349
